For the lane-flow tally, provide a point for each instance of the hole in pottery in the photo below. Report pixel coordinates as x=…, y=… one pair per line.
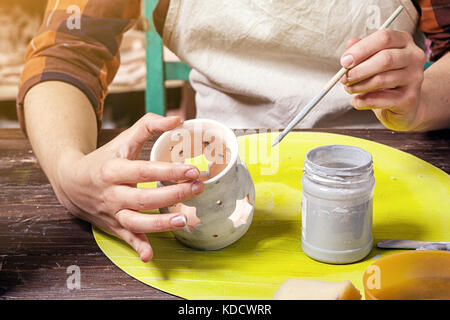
x=189, y=212
x=242, y=211
x=205, y=149
x=209, y=146
x=215, y=235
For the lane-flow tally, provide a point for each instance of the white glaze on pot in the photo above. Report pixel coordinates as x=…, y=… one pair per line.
x=223, y=212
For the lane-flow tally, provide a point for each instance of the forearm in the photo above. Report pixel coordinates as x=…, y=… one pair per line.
x=60, y=124
x=434, y=109
x=59, y=118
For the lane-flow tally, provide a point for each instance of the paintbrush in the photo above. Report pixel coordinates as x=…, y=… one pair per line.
x=314, y=101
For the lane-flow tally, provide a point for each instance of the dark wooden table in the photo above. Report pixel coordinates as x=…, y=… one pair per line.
x=39, y=239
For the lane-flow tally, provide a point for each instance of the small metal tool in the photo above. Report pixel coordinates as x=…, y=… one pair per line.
x=413, y=244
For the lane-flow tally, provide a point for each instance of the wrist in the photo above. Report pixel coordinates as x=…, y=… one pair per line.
x=62, y=166
x=422, y=121
x=61, y=174
x=419, y=123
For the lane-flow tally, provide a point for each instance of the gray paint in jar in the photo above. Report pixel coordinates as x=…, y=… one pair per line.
x=337, y=200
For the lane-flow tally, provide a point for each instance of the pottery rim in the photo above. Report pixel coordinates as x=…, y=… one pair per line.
x=230, y=141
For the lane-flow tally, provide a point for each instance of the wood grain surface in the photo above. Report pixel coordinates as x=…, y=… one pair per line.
x=39, y=239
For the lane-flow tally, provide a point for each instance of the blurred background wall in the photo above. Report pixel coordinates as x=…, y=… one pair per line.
x=20, y=21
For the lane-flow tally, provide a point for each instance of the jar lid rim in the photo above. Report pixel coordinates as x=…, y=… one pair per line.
x=365, y=158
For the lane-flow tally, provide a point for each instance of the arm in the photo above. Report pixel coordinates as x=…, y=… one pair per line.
x=99, y=186
x=59, y=135
x=59, y=104
x=434, y=108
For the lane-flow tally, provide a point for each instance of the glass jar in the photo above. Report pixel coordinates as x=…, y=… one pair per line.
x=337, y=197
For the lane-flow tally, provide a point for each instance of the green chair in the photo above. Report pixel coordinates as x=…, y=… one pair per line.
x=159, y=71
x=427, y=65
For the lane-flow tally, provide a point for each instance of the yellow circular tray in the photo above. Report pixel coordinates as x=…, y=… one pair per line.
x=411, y=201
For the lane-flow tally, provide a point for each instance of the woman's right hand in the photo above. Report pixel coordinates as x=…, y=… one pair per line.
x=100, y=187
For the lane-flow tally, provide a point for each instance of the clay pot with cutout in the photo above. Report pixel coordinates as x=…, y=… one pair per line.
x=223, y=212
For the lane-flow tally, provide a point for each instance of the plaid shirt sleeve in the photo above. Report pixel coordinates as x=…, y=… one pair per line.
x=435, y=24
x=78, y=43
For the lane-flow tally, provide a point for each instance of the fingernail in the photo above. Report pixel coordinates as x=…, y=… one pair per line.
x=197, y=187
x=347, y=61
x=178, y=221
x=192, y=174
x=145, y=256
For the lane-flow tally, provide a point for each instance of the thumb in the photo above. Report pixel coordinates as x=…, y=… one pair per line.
x=134, y=138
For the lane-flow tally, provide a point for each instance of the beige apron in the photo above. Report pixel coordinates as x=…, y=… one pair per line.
x=258, y=62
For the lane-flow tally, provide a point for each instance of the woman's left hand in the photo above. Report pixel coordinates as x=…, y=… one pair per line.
x=386, y=74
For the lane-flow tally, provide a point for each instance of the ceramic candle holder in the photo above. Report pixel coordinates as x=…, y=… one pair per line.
x=223, y=212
